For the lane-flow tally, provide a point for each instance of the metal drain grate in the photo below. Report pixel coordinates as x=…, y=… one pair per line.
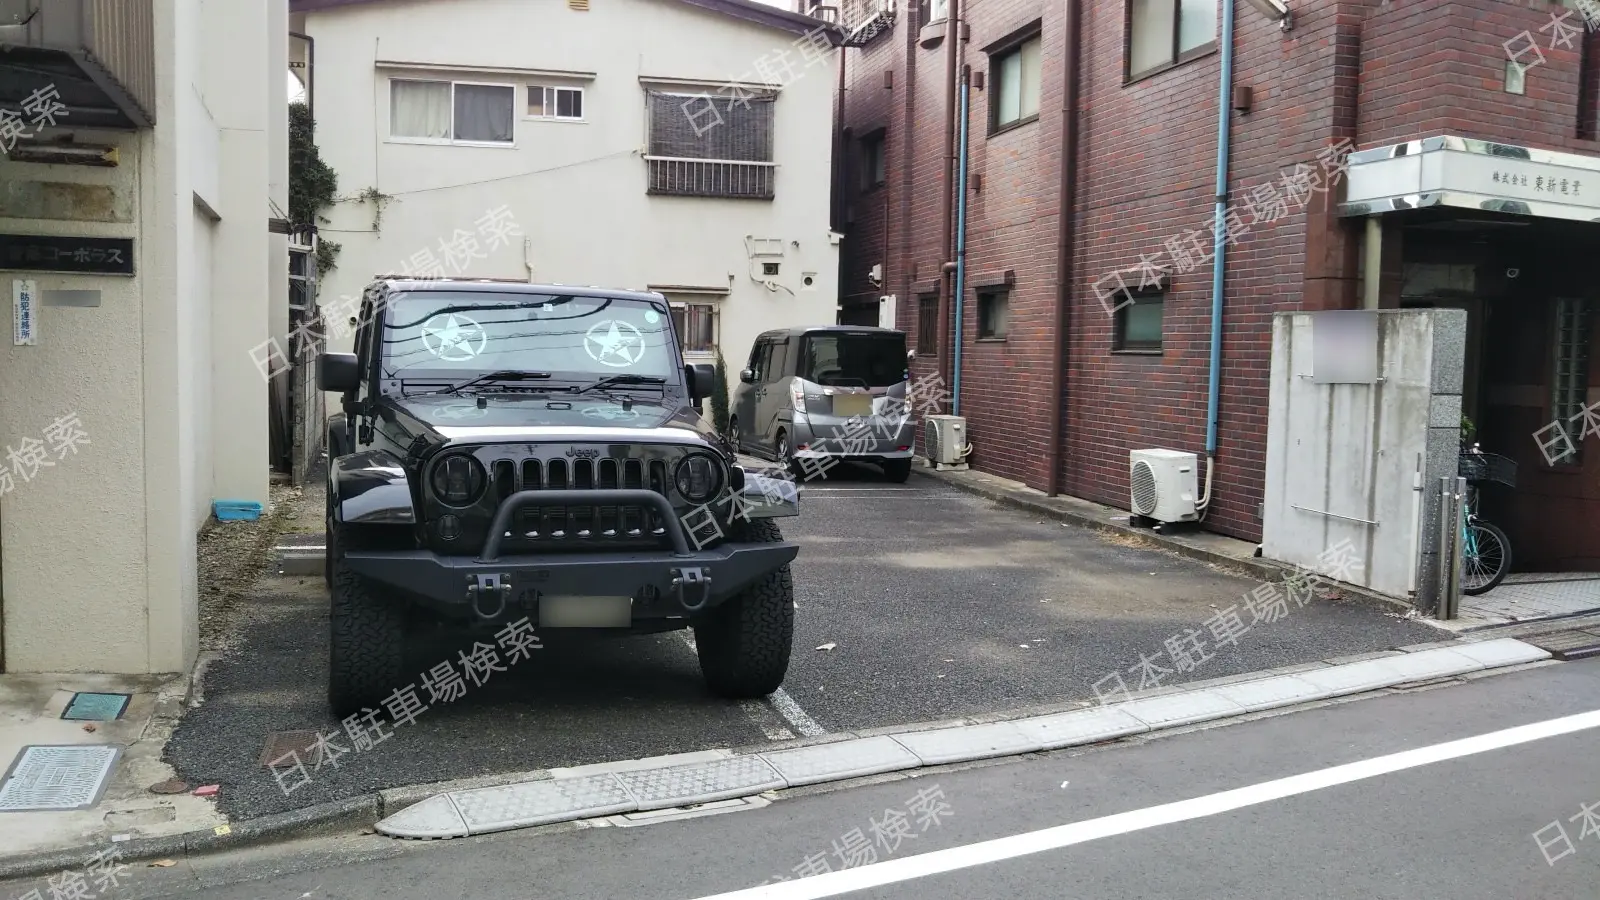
x=282, y=743
x=57, y=778
x=89, y=707
x=1568, y=645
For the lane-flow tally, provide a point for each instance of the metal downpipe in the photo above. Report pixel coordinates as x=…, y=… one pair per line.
x=958, y=295
x=1220, y=246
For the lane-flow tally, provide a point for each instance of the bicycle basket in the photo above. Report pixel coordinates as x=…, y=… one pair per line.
x=1480, y=468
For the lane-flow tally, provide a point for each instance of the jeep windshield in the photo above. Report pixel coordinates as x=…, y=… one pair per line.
x=860, y=359
x=449, y=337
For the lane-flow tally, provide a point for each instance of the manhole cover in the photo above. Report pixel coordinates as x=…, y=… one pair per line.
x=282, y=743
x=88, y=707
x=57, y=778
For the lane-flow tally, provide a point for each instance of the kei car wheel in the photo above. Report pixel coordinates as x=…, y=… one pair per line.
x=783, y=456
x=744, y=644
x=366, y=649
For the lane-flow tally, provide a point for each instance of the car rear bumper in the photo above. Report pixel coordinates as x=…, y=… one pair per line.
x=831, y=436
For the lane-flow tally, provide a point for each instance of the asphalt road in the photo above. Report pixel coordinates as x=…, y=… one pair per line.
x=937, y=604
x=1476, y=823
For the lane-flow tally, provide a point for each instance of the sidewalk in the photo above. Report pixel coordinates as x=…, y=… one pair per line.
x=96, y=776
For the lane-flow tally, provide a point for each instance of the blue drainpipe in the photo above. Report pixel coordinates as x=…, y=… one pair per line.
x=961, y=239
x=1224, y=140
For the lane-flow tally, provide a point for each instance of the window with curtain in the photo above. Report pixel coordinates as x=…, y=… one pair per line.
x=1163, y=33
x=1015, y=92
x=452, y=111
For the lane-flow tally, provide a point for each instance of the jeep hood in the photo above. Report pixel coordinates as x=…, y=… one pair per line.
x=513, y=416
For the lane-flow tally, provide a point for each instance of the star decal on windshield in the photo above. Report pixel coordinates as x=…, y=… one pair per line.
x=457, y=339
x=614, y=343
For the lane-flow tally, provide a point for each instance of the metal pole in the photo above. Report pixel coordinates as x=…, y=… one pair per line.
x=1447, y=522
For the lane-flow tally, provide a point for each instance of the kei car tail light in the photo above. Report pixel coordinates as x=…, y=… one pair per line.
x=797, y=391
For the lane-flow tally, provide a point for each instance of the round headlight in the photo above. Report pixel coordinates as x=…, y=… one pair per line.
x=459, y=480
x=698, y=478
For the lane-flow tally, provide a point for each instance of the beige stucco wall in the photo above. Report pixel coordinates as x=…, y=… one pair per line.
x=97, y=554
x=577, y=190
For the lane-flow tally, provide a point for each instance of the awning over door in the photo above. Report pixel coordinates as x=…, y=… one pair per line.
x=1462, y=173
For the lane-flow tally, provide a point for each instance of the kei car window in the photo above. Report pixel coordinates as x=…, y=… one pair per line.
x=870, y=360
x=450, y=333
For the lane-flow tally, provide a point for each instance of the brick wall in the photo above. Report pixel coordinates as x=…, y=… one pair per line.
x=1363, y=71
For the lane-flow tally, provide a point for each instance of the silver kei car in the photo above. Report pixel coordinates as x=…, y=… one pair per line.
x=828, y=391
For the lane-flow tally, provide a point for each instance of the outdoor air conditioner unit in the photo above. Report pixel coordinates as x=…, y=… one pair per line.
x=1164, y=485
x=946, y=439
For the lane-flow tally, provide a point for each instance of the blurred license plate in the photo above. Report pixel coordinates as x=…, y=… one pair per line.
x=585, y=612
x=852, y=404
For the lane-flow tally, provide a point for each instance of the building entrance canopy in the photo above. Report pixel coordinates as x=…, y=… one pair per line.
x=1462, y=173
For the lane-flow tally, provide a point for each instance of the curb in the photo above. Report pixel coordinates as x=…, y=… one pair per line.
x=313, y=820
x=1253, y=567
x=636, y=786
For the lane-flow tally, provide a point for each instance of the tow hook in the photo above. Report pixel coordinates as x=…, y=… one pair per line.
x=685, y=580
x=487, y=590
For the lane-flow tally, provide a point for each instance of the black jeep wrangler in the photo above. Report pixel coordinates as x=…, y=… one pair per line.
x=512, y=451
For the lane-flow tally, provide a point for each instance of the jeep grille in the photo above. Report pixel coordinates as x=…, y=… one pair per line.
x=552, y=529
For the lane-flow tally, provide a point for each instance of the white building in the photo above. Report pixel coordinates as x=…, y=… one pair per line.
x=682, y=146
x=141, y=255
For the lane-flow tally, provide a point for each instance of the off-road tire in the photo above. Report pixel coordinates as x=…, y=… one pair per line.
x=367, y=639
x=744, y=644
x=897, y=470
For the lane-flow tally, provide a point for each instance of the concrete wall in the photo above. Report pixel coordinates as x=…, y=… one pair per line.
x=160, y=374
x=1337, y=453
x=576, y=190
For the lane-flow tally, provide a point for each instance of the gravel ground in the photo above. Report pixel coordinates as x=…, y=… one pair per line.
x=233, y=557
x=933, y=604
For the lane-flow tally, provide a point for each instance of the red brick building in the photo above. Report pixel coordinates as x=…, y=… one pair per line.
x=1038, y=339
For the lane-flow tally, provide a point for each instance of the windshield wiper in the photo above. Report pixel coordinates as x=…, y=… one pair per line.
x=503, y=375
x=610, y=380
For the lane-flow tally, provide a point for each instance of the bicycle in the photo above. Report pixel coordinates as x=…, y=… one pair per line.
x=1485, y=549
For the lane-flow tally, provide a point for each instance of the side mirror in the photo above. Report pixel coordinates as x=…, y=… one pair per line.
x=702, y=380
x=748, y=376
x=338, y=373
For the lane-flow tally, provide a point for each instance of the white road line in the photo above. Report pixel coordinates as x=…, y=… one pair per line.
x=893, y=871
x=794, y=715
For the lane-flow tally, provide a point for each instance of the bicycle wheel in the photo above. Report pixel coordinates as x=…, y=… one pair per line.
x=1485, y=558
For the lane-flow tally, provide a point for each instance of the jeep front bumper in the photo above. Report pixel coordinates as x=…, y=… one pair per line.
x=663, y=583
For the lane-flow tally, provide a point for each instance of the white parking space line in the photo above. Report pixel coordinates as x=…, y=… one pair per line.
x=846, y=881
x=794, y=715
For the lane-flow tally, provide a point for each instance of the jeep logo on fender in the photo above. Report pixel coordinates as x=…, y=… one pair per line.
x=582, y=454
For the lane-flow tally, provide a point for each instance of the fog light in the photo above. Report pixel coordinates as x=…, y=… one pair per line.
x=449, y=528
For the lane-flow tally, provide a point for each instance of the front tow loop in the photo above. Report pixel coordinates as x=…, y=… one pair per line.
x=685, y=582
x=489, y=596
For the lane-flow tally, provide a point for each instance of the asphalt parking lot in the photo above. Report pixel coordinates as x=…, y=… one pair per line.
x=933, y=604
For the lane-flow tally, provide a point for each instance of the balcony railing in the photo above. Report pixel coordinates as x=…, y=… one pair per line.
x=97, y=55
x=861, y=20
x=711, y=178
